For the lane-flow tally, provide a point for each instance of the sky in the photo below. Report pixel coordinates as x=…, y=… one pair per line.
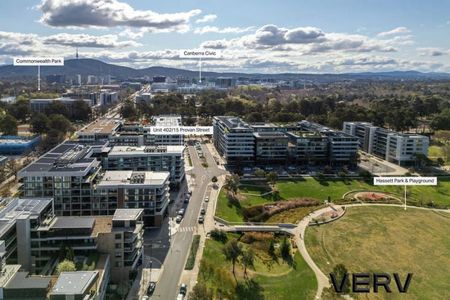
x=253, y=36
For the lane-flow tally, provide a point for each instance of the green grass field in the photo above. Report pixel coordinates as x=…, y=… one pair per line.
x=335, y=189
x=270, y=279
x=388, y=239
x=437, y=151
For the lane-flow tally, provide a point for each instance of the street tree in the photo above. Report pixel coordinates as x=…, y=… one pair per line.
x=232, y=251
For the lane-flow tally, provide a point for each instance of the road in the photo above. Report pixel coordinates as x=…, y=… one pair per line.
x=167, y=286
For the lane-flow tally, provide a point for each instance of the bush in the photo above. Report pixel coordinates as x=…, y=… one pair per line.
x=219, y=235
x=193, y=253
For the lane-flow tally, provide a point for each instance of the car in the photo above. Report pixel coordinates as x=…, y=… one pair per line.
x=186, y=200
x=207, y=199
x=151, y=288
x=201, y=219
x=179, y=218
x=180, y=297
x=183, y=288
x=181, y=212
x=203, y=211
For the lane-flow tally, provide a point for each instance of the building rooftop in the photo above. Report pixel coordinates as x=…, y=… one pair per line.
x=145, y=150
x=67, y=222
x=306, y=134
x=22, y=281
x=127, y=177
x=74, y=283
x=233, y=122
x=127, y=214
x=20, y=208
x=69, y=158
x=101, y=126
x=167, y=120
x=273, y=135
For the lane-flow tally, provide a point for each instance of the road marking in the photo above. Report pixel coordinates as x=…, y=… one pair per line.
x=186, y=229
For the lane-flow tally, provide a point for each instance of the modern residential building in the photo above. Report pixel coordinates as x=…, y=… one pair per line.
x=67, y=173
x=107, y=97
x=396, y=147
x=301, y=142
x=151, y=139
x=133, y=189
x=271, y=147
x=32, y=237
x=307, y=147
x=100, y=130
x=148, y=158
x=234, y=140
x=342, y=147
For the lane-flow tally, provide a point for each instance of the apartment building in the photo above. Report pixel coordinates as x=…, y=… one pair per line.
x=133, y=189
x=234, y=140
x=67, y=173
x=271, y=147
x=148, y=158
x=135, y=134
x=302, y=142
x=100, y=130
x=308, y=147
x=396, y=147
x=33, y=237
x=342, y=147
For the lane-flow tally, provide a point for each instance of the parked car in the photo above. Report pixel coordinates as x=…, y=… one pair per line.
x=207, y=199
x=203, y=211
x=186, y=199
x=201, y=219
x=183, y=288
x=179, y=218
x=151, y=288
x=181, y=212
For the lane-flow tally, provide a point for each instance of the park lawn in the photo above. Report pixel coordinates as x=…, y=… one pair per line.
x=274, y=280
x=333, y=188
x=251, y=197
x=434, y=152
x=320, y=190
x=388, y=239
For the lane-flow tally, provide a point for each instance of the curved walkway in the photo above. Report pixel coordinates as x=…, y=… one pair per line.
x=322, y=280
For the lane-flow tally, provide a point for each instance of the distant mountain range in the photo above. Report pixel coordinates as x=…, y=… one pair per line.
x=86, y=67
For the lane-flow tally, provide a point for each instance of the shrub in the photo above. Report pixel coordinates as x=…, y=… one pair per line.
x=219, y=235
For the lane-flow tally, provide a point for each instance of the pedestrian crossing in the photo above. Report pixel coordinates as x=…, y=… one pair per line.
x=186, y=228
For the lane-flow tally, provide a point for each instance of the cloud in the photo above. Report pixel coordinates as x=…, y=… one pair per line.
x=217, y=44
x=431, y=51
x=206, y=19
x=109, y=13
x=395, y=31
x=214, y=29
x=271, y=35
x=349, y=42
x=86, y=40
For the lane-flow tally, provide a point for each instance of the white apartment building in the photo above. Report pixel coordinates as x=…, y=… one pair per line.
x=396, y=147
x=234, y=140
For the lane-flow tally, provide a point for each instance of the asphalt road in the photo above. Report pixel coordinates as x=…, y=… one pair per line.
x=167, y=286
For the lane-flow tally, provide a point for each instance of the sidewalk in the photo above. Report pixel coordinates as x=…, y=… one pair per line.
x=190, y=276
